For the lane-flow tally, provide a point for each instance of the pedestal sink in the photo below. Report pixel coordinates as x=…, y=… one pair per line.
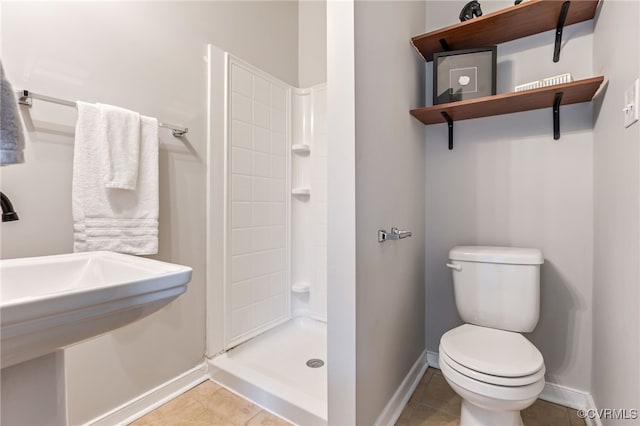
x=51, y=302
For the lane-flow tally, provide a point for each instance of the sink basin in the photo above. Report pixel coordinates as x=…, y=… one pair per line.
x=49, y=302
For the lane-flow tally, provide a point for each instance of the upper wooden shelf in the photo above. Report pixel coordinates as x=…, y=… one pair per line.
x=525, y=19
x=505, y=103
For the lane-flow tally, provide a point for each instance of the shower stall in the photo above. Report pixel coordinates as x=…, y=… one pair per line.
x=267, y=239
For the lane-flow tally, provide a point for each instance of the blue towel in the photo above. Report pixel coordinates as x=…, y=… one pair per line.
x=11, y=135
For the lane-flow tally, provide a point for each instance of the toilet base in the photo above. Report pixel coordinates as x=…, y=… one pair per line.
x=484, y=404
x=472, y=415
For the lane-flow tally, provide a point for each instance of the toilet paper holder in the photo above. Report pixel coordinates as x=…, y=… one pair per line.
x=395, y=234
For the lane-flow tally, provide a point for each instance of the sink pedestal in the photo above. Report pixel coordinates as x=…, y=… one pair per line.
x=33, y=392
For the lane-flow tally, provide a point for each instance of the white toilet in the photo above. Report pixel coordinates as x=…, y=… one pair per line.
x=496, y=371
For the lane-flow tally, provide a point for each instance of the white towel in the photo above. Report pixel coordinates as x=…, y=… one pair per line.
x=113, y=219
x=121, y=130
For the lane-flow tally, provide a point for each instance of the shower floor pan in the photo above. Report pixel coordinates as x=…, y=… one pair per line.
x=271, y=370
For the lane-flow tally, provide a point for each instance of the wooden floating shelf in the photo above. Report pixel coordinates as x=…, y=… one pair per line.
x=505, y=103
x=511, y=23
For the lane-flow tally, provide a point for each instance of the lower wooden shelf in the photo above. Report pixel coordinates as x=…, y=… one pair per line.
x=505, y=103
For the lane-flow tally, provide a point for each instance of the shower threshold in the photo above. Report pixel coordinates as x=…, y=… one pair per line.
x=272, y=370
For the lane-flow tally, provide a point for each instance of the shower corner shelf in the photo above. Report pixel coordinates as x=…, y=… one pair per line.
x=301, y=288
x=301, y=148
x=305, y=192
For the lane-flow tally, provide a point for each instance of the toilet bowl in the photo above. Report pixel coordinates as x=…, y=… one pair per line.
x=496, y=371
x=494, y=389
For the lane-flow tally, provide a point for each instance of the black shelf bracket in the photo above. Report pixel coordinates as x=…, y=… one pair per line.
x=444, y=45
x=450, y=123
x=556, y=115
x=563, y=17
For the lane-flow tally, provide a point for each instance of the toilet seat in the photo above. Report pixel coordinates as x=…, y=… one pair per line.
x=491, y=396
x=492, y=356
x=488, y=378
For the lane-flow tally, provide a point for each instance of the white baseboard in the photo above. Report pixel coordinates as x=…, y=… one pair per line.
x=396, y=404
x=557, y=394
x=148, y=401
x=568, y=397
x=143, y=404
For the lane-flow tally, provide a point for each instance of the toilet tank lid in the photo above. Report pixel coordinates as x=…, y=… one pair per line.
x=492, y=254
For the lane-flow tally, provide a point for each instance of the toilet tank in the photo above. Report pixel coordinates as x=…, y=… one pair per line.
x=497, y=287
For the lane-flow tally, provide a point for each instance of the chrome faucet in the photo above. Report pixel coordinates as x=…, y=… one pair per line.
x=8, y=213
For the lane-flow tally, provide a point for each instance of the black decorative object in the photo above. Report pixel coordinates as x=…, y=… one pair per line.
x=470, y=10
x=464, y=74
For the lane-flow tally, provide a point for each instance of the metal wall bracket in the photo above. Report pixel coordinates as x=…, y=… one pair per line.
x=450, y=123
x=24, y=98
x=563, y=17
x=444, y=45
x=556, y=115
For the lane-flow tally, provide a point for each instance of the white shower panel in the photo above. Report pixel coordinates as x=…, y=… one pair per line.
x=309, y=212
x=257, y=280
x=302, y=194
x=318, y=158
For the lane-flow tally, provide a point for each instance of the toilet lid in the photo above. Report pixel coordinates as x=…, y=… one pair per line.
x=490, y=351
x=489, y=378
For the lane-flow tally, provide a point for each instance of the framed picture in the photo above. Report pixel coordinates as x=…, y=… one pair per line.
x=464, y=74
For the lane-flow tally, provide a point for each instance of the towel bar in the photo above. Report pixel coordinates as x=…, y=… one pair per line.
x=25, y=97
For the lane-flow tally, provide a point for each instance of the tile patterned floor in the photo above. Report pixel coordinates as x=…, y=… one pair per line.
x=433, y=403
x=209, y=404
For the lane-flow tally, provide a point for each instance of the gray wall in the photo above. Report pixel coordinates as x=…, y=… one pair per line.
x=390, y=173
x=312, y=42
x=146, y=56
x=507, y=182
x=616, y=325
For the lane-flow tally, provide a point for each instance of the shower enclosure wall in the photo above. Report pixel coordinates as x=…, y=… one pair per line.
x=266, y=284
